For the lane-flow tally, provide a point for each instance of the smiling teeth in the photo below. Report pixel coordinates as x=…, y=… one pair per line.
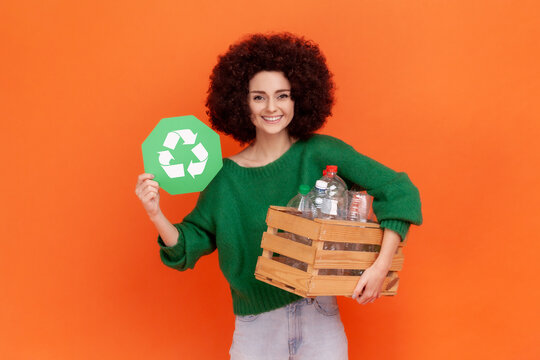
x=271, y=118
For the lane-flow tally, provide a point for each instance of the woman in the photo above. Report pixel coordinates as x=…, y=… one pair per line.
x=273, y=92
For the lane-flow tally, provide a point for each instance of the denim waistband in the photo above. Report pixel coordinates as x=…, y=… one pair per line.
x=304, y=301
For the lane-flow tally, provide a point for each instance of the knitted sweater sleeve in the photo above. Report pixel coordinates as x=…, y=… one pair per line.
x=396, y=200
x=196, y=237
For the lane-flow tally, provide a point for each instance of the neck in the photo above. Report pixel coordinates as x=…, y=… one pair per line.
x=267, y=148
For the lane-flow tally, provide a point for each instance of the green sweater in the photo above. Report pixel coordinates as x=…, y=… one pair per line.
x=230, y=213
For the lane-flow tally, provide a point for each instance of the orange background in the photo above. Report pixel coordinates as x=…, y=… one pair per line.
x=447, y=91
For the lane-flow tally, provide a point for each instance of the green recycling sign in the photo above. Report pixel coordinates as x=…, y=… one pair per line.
x=183, y=154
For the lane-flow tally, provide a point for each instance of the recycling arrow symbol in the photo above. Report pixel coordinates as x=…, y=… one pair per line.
x=177, y=170
x=196, y=148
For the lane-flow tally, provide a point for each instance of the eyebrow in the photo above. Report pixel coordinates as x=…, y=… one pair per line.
x=262, y=92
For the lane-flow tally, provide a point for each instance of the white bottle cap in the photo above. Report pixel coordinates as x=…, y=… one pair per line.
x=321, y=184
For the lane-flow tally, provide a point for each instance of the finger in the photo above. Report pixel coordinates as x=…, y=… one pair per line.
x=362, y=299
x=152, y=182
x=366, y=297
x=148, y=184
x=366, y=300
x=141, y=188
x=146, y=187
x=358, y=290
x=149, y=190
x=140, y=183
x=143, y=177
x=148, y=197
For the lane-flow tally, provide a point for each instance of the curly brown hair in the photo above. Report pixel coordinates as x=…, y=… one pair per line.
x=302, y=63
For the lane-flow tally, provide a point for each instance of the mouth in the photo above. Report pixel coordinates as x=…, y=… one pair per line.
x=272, y=119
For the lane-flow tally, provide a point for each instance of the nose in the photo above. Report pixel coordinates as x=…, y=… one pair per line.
x=271, y=105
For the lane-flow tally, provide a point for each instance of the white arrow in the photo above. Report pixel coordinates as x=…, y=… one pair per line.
x=171, y=140
x=196, y=168
x=174, y=171
x=200, y=152
x=188, y=136
x=165, y=157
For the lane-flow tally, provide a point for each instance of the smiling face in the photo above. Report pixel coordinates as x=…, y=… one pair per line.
x=269, y=99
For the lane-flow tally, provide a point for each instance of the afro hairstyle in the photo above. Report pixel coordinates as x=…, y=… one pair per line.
x=302, y=63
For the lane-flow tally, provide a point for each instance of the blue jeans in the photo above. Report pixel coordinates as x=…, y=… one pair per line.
x=306, y=329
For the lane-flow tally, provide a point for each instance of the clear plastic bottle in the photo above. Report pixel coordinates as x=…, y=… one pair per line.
x=359, y=209
x=335, y=204
x=331, y=172
x=324, y=178
x=317, y=195
x=302, y=205
x=360, y=206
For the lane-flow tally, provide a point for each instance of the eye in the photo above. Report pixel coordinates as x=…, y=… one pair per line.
x=258, y=98
x=283, y=96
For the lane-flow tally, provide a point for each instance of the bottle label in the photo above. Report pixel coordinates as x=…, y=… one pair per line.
x=329, y=207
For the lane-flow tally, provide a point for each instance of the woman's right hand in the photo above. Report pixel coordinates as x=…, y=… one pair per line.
x=148, y=192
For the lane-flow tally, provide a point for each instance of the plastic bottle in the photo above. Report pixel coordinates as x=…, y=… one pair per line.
x=331, y=172
x=360, y=209
x=333, y=207
x=330, y=193
x=335, y=204
x=317, y=195
x=302, y=205
x=359, y=204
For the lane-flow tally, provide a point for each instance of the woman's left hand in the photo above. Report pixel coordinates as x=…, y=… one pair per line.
x=369, y=286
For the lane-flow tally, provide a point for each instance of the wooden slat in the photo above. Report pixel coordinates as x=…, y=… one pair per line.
x=350, y=234
x=389, y=292
x=336, y=259
x=349, y=223
x=282, y=273
x=391, y=287
x=318, y=246
x=288, y=248
x=279, y=208
x=280, y=285
x=277, y=218
x=340, y=285
x=267, y=253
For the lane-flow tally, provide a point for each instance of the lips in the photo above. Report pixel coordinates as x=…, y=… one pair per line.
x=272, y=119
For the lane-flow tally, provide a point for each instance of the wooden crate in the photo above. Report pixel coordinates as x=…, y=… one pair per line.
x=308, y=283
